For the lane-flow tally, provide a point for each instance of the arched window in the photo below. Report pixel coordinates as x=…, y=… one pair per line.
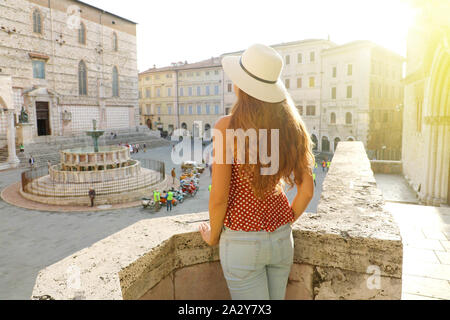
x=82, y=33
x=184, y=126
x=82, y=78
x=115, y=82
x=336, y=142
x=333, y=118
x=325, y=144
x=37, y=21
x=115, y=42
x=315, y=142
x=348, y=118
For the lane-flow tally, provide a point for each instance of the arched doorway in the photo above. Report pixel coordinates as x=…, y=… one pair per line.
x=184, y=126
x=336, y=142
x=350, y=139
x=325, y=144
x=149, y=124
x=315, y=142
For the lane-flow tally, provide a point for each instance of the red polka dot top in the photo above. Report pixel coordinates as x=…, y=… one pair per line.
x=245, y=212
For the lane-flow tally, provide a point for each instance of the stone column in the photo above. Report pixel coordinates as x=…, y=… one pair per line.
x=11, y=136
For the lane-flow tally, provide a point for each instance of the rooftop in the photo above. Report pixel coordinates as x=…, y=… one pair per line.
x=208, y=63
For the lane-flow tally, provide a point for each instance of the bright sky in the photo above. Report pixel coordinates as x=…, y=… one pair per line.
x=193, y=30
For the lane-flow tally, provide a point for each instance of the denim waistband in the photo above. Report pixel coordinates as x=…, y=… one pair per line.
x=281, y=232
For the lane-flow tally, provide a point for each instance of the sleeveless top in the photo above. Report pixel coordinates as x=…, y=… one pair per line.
x=246, y=212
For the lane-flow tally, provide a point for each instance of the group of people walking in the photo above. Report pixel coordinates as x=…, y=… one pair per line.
x=134, y=148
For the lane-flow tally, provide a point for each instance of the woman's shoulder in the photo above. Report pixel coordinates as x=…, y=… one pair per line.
x=223, y=123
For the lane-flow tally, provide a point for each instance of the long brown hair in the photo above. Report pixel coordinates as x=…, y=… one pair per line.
x=295, y=145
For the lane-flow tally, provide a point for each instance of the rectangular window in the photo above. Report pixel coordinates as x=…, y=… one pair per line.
x=140, y=94
x=287, y=83
x=334, y=72
x=208, y=109
x=147, y=93
x=181, y=109
x=216, y=72
x=158, y=92
x=312, y=56
x=333, y=93
x=310, y=110
x=312, y=82
x=190, y=109
x=299, y=82
x=349, y=92
x=288, y=59
x=299, y=58
x=350, y=70
x=230, y=87
x=207, y=90
x=216, y=90
x=181, y=92
x=169, y=91
x=169, y=110
x=207, y=73
x=199, y=91
x=158, y=109
x=38, y=69
x=190, y=91
x=216, y=109
x=148, y=109
x=199, y=109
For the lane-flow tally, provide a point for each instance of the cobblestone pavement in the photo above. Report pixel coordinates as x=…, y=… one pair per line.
x=32, y=240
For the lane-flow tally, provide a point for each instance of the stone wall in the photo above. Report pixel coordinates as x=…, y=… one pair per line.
x=58, y=45
x=350, y=249
x=386, y=166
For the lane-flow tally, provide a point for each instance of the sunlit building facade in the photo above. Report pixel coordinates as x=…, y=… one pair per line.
x=426, y=131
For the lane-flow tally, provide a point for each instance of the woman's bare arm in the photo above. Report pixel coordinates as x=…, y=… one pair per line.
x=305, y=192
x=221, y=177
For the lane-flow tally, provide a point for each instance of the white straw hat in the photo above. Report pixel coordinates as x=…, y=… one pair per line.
x=257, y=73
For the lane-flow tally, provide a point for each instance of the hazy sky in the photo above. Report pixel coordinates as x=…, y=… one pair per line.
x=194, y=30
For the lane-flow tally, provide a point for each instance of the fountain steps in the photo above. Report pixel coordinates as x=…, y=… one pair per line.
x=44, y=185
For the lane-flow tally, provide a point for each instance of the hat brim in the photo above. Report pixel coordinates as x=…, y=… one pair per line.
x=268, y=92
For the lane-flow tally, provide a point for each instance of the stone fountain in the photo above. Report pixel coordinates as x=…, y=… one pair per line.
x=109, y=170
x=95, y=134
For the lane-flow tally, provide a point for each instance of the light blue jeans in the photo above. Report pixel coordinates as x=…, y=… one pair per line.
x=256, y=265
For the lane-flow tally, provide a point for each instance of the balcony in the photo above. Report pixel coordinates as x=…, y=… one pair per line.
x=350, y=249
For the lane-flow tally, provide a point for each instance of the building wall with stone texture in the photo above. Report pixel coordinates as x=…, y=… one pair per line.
x=59, y=47
x=426, y=134
x=349, y=109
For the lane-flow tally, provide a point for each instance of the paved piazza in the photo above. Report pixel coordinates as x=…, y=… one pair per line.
x=32, y=240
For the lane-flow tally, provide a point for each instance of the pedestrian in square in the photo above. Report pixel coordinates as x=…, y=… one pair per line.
x=31, y=161
x=174, y=175
x=92, y=196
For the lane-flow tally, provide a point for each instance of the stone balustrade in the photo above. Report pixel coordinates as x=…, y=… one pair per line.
x=350, y=249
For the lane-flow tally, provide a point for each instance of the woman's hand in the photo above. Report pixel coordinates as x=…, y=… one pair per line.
x=205, y=231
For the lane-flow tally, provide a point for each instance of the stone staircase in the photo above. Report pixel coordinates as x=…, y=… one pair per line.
x=47, y=148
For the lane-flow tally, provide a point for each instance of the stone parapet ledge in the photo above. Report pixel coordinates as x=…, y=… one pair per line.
x=350, y=249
